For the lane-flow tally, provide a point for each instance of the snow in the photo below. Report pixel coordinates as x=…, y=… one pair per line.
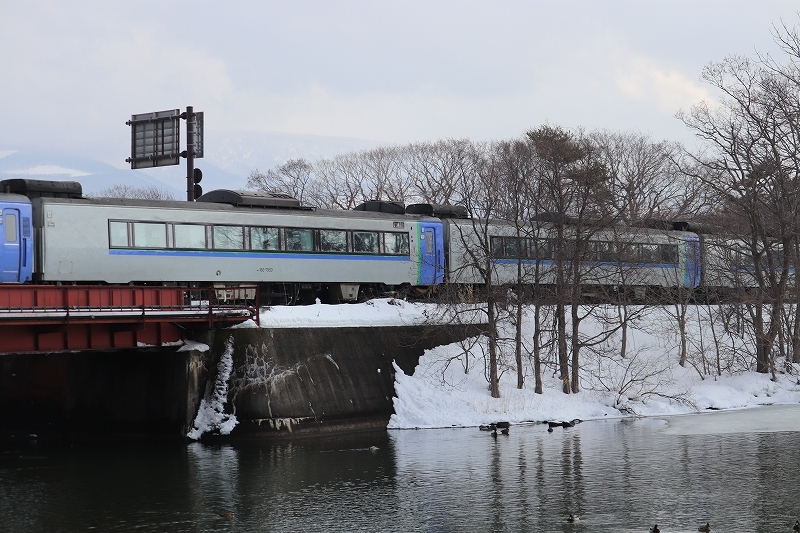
x=379, y=312
x=190, y=345
x=211, y=415
x=449, y=386
x=51, y=169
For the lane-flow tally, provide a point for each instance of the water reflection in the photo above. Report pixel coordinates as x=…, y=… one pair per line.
x=617, y=475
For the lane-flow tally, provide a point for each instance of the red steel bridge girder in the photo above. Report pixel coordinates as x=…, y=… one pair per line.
x=53, y=318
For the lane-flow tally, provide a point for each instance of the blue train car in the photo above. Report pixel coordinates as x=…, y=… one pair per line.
x=16, y=239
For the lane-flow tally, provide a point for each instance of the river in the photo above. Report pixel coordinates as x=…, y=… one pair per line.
x=734, y=470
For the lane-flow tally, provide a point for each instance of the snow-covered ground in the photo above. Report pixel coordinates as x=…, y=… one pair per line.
x=449, y=387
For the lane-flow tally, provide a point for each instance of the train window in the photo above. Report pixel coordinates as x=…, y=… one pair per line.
x=365, y=242
x=332, y=240
x=669, y=253
x=11, y=227
x=149, y=235
x=395, y=243
x=648, y=253
x=514, y=248
x=118, y=234
x=540, y=248
x=497, y=246
x=228, y=237
x=191, y=236
x=299, y=240
x=605, y=251
x=264, y=239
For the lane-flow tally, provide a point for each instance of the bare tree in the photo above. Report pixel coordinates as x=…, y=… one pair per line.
x=295, y=177
x=752, y=141
x=147, y=192
x=436, y=168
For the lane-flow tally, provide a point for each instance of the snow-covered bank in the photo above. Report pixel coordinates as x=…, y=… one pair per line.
x=646, y=382
x=436, y=397
x=378, y=312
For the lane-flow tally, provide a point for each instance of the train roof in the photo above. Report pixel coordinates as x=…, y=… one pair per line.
x=215, y=206
x=16, y=198
x=590, y=229
x=42, y=188
x=254, y=199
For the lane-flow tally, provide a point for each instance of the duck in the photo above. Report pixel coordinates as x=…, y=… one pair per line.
x=655, y=529
x=227, y=514
x=573, y=518
x=705, y=529
x=494, y=434
x=796, y=526
x=504, y=431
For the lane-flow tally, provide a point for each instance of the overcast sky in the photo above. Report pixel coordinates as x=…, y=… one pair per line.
x=400, y=71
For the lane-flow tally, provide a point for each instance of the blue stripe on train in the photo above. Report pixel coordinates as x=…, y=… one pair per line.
x=260, y=255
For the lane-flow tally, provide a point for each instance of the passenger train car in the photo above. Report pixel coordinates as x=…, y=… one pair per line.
x=52, y=234
x=631, y=257
x=228, y=237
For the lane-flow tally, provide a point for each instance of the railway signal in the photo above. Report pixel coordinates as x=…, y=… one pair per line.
x=198, y=190
x=155, y=142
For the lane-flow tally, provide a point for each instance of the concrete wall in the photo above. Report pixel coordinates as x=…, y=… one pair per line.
x=317, y=380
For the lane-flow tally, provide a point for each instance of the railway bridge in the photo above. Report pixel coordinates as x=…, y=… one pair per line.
x=58, y=318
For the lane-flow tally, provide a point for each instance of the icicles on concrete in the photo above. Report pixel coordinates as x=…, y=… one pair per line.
x=211, y=415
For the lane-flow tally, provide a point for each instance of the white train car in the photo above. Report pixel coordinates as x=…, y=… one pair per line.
x=260, y=240
x=636, y=258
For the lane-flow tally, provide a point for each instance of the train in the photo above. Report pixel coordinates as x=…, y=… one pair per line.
x=52, y=234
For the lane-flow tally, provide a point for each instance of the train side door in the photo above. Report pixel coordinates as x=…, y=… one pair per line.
x=693, y=262
x=10, y=254
x=431, y=253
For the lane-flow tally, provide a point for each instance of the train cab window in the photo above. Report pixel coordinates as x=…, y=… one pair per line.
x=299, y=240
x=429, y=243
x=332, y=240
x=118, y=234
x=11, y=227
x=228, y=238
x=264, y=239
x=149, y=235
x=190, y=236
x=395, y=243
x=365, y=242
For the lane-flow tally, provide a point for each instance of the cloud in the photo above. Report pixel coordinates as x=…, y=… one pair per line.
x=669, y=90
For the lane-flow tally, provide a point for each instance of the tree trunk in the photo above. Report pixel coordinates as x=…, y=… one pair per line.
x=518, y=347
x=563, y=356
x=494, y=386
x=623, y=317
x=537, y=360
x=680, y=313
x=576, y=348
x=796, y=335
